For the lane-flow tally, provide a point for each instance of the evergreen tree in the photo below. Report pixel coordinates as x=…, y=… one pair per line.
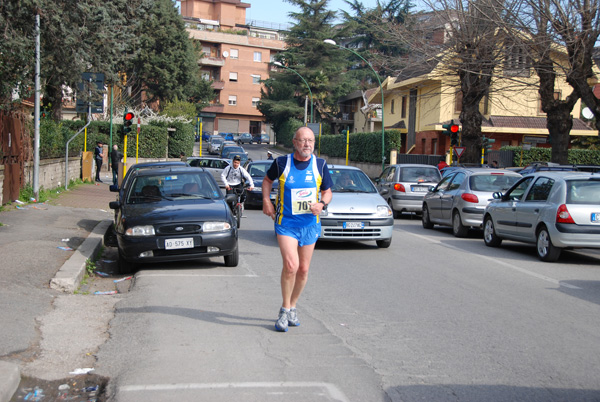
x=165, y=64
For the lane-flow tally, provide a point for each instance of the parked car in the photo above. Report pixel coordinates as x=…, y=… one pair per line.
x=205, y=136
x=214, y=144
x=357, y=212
x=460, y=198
x=553, y=210
x=545, y=166
x=403, y=186
x=244, y=138
x=227, y=136
x=211, y=164
x=261, y=138
x=258, y=171
x=174, y=214
x=231, y=150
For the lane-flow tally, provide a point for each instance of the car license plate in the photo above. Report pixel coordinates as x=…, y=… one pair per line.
x=274, y=196
x=420, y=189
x=172, y=244
x=353, y=225
x=596, y=217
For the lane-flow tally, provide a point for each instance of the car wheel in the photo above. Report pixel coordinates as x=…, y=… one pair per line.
x=385, y=243
x=425, y=220
x=232, y=259
x=395, y=213
x=124, y=267
x=546, y=251
x=490, y=237
x=458, y=229
x=110, y=237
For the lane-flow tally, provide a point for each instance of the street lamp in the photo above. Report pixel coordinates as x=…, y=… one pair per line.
x=332, y=42
x=312, y=117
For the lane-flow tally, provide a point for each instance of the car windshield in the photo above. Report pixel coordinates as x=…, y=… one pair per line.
x=583, y=192
x=351, y=181
x=217, y=140
x=492, y=182
x=420, y=174
x=172, y=187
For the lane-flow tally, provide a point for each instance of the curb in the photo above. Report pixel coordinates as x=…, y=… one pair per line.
x=69, y=276
x=11, y=377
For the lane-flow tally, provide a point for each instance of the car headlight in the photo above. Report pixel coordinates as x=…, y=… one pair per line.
x=215, y=226
x=384, y=211
x=147, y=230
x=324, y=212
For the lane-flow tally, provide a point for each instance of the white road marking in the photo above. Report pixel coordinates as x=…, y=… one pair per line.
x=333, y=391
x=496, y=260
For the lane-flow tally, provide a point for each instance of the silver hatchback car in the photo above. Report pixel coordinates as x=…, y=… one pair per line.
x=357, y=212
x=553, y=210
x=403, y=186
x=460, y=198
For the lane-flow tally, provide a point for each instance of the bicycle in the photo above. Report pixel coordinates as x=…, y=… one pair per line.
x=238, y=208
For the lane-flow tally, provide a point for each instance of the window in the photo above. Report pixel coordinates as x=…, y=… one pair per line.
x=540, y=189
x=255, y=102
x=232, y=100
x=233, y=53
x=205, y=75
x=483, y=104
x=517, y=63
x=233, y=77
x=404, y=104
x=393, y=106
x=255, y=79
x=258, y=56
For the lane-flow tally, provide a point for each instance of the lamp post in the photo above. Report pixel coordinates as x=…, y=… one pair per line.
x=332, y=42
x=312, y=117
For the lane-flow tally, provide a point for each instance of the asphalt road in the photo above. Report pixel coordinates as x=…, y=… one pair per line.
x=432, y=318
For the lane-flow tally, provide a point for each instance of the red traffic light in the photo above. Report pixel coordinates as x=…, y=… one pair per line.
x=129, y=116
x=454, y=128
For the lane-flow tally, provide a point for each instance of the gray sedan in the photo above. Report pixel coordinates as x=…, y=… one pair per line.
x=553, y=210
x=460, y=198
x=212, y=164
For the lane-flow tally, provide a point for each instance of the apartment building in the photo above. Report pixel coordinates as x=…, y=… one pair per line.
x=236, y=57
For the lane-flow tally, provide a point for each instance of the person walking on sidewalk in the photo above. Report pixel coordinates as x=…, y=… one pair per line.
x=302, y=177
x=98, y=156
x=115, y=158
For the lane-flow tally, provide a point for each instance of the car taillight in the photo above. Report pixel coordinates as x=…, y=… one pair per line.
x=470, y=198
x=399, y=187
x=563, y=215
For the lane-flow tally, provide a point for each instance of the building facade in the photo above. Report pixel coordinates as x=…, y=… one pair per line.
x=236, y=57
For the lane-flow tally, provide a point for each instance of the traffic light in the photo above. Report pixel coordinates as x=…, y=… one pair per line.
x=486, y=143
x=127, y=122
x=452, y=130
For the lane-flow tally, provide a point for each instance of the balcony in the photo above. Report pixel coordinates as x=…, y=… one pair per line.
x=212, y=61
x=214, y=108
x=218, y=85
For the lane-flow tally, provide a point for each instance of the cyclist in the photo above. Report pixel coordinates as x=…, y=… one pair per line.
x=234, y=175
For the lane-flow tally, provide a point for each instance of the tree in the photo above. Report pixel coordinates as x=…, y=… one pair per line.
x=321, y=65
x=17, y=47
x=82, y=36
x=165, y=63
x=277, y=101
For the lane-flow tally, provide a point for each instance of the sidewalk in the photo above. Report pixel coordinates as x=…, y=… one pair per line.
x=34, y=244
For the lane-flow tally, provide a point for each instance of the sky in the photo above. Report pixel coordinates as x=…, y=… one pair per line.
x=277, y=10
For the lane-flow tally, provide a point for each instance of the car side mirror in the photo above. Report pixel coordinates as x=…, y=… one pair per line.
x=431, y=189
x=384, y=191
x=114, y=205
x=497, y=195
x=114, y=188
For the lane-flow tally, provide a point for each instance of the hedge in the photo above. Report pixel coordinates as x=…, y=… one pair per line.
x=575, y=156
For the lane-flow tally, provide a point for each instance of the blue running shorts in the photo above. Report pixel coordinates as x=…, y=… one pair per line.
x=305, y=235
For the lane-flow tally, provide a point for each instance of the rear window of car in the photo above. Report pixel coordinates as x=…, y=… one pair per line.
x=258, y=169
x=420, y=174
x=492, y=182
x=583, y=192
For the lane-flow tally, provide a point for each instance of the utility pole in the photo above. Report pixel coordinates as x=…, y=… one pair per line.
x=36, y=117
